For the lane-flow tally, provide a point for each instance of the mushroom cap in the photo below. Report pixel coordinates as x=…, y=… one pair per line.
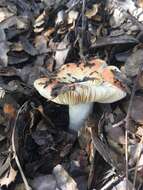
x=82, y=83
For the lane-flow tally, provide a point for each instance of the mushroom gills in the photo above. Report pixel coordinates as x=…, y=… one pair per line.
x=78, y=114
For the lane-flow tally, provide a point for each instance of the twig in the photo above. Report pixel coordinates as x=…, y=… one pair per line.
x=139, y=149
x=118, y=124
x=128, y=122
x=81, y=42
x=138, y=167
x=110, y=183
x=76, y=2
x=27, y=187
x=139, y=187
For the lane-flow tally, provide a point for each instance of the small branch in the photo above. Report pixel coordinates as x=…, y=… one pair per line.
x=138, y=167
x=118, y=124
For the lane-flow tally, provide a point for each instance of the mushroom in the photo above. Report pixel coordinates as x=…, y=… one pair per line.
x=79, y=86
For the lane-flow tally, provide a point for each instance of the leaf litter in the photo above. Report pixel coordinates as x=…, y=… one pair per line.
x=36, y=148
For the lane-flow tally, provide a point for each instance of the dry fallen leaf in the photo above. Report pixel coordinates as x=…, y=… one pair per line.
x=41, y=44
x=9, y=177
x=62, y=52
x=60, y=17
x=38, y=25
x=2, y=93
x=63, y=179
x=9, y=110
x=4, y=14
x=92, y=12
x=72, y=17
x=139, y=131
x=140, y=3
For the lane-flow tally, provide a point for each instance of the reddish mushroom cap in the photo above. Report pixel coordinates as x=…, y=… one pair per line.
x=82, y=83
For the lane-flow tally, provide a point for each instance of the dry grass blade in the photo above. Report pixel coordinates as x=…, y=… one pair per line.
x=110, y=183
x=138, y=157
x=27, y=187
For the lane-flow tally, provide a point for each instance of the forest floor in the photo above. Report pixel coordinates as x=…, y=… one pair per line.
x=37, y=149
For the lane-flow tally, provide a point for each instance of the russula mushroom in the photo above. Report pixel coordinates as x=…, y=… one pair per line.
x=79, y=86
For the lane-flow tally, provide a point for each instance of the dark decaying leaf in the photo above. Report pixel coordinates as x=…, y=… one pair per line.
x=122, y=57
x=7, y=71
x=28, y=47
x=137, y=109
x=17, y=58
x=109, y=41
x=41, y=44
x=133, y=62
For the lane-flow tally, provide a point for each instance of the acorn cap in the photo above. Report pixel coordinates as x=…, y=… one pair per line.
x=82, y=83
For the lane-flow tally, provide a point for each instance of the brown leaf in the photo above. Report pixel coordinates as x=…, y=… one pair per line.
x=48, y=33
x=38, y=25
x=9, y=110
x=8, y=71
x=140, y=3
x=41, y=44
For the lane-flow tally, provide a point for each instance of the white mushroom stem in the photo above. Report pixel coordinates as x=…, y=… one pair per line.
x=78, y=114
